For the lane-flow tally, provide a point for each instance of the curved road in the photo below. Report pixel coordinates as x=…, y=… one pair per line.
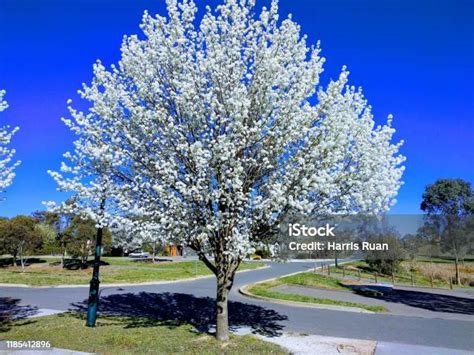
x=192, y=302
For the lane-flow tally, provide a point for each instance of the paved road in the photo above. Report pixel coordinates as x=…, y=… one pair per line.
x=399, y=301
x=192, y=301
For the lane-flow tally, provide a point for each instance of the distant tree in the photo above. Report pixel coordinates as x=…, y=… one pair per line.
x=49, y=244
x=18, y=236
x=81, y=235
x=430, y=233
x=412, y=244
x=3, y=233
x=59, y=221
x=448, y=204
x=449, y=197
x=6, y=154
x=154, y=240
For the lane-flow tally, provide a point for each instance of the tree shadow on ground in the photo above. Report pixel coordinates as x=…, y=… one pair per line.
x=10, y=310
x=7, y=262
x=76, y=264
x=174, y=309
x=426, y=300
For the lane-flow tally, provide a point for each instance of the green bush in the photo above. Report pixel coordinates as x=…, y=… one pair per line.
x=263, y=253
x=385, y=261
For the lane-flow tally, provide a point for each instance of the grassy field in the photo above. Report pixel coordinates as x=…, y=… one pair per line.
x=425, y=273
x=308, y=279
x=47, y=272
x=123, y=335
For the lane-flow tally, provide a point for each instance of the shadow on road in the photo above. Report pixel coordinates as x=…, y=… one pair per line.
x=10, y=310
x=174, y=309
x=426, y=300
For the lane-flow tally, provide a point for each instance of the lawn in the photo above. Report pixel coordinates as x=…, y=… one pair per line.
x=125, y=335
x=308, y=279
x=119, y=270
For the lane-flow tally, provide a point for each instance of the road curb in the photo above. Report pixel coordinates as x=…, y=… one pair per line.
x=151, y=283
x=244, y=290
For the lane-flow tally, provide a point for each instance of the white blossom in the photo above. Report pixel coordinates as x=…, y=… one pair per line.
x=7, y=168
x=214, y=131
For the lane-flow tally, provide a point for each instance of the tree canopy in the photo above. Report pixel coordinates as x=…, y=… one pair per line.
x=213, y=131
x=7, y=168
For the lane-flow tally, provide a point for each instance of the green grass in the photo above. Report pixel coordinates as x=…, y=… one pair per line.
x=124, y=335
x=308, y=279
x=119, y=271
x=314, y=280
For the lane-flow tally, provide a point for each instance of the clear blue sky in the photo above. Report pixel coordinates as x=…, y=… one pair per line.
x=413, y=58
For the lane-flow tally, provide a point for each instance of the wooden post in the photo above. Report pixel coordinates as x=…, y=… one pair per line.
x=393, y=279
x=450, y=283
x=358, y=272
x=375, y=277
x=431, y=281
x=343, y=272
x=412, y=280
x=329, y=269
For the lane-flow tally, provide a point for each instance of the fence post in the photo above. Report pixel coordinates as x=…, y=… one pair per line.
x=412, y=280
x=329, y=269
x=375, y=277
x=431, y=281
x=343, y=272
x=358, y=272
x=393, y=279
x=450, y=283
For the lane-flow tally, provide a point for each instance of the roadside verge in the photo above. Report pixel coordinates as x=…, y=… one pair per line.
x=246, y=290
x=149, y=283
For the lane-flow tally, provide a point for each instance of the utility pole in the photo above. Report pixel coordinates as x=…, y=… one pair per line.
x=94, y=283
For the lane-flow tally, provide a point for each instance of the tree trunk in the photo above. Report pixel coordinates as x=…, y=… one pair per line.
x=63, y=255
x=222, y=315
x=20, y=254
x=456, y=266
x=225, y=272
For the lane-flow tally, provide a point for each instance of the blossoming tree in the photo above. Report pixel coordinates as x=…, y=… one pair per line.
x=215, y=131
x=6, y=154
x=88, y=175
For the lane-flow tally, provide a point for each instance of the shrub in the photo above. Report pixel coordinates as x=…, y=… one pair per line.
x=385, y=261
x=263, y=253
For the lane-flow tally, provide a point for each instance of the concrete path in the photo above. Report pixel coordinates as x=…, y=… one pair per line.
x=398, y=302
x=193, y=302
x=5, y=349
